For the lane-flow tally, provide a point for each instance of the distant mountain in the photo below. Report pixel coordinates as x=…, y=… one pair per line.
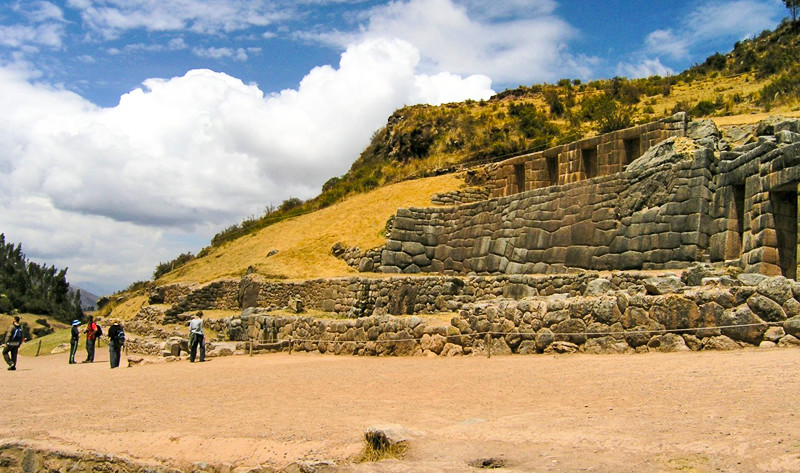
x=88, y=300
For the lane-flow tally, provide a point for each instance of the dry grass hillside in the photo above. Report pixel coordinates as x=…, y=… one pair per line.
x=304, y=242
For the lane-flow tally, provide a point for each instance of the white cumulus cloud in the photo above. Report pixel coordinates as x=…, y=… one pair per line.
x=521, y=40
x=180, y=158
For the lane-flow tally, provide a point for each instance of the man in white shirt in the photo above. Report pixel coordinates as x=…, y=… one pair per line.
x=196, y=337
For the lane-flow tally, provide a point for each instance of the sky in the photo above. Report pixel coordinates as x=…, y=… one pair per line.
x=132, y=131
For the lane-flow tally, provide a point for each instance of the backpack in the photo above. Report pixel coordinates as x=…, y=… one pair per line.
x=120, y=338
x=16, y=337
x=98, y=332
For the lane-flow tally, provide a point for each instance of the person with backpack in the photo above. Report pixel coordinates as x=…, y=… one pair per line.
x=13, y=340
x=116, y=340
x=73, y=341
x=93, y=332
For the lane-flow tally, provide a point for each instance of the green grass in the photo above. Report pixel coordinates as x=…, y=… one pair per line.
x=48, y=343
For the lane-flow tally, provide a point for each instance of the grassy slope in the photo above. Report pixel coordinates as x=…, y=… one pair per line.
x=304, y=243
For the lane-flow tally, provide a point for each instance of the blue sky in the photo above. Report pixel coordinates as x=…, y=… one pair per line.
x=133, y=130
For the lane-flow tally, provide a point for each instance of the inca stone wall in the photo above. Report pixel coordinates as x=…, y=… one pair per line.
x=687, y=199
x=663, y=314
x=585, y=159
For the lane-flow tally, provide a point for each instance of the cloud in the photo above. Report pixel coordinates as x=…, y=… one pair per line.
x=183, y=157
x=238, y=54
x=712, y=21
x=111, y=18
x=645, y=68
x=18, y=36
x=522, y=40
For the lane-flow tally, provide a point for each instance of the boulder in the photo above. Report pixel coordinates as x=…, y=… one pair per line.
x=544, y=338
x=767, y=344
x=434, y=343
x=773, y=334
x=669, y=342
x=675, y=312
x=788, y=341
x=766, y=308
x=451, y=349
x=743, y=325
x=792, y=326
x=572, y=330
x=777, y=288
x=701, y=129
x=720, y=343
x=695, y=275
x=663, y=285
x=562, y=347
x=777, y=123
x=60, y=348
x=527, y=347
x=604, y=345
x=597, y=287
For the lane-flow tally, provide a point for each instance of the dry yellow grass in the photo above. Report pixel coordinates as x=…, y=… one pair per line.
x=304, y=243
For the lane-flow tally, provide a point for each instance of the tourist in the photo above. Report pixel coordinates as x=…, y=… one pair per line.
x=13, y=340
x=73, y=341
x=116, y=340
x=196, y=337
x=91, y=335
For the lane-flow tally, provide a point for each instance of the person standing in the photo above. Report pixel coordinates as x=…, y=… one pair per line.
x=13, y=340
x=75, y=336
x=196, y=337
x=116, y=340
x=91, y=335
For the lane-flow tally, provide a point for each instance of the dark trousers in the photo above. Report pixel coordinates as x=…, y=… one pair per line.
x=73, y=348
x=89, y=350
x=10, y=355
x=114, y=354
x=195, y=341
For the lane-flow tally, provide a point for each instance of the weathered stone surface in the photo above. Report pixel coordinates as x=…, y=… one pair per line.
x=675, y=312
x=663, y=285
x=604, y=345
x=434, y=343
x=720, y=343
x=792, y=326
x=597, y=287
x=562, y=347
x=766, y=308
x=669, y=342
x=743, y=325
x=773, y=334
x=544, y=338
x=789, y=341
x=572, y=330
x=451, y=349
x=778, y=288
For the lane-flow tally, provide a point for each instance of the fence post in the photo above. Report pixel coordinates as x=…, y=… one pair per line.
x=38, y=348
x=251, y=347
x=488, y=343
x=290, y=345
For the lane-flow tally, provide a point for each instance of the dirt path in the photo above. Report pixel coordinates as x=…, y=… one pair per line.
x=707, y=411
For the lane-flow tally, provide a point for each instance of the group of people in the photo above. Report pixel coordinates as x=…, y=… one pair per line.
x=116, y=340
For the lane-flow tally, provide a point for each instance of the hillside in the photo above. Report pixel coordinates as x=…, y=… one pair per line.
x=757, y=78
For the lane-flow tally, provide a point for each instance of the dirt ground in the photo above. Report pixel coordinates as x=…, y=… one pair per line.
x=699, y=412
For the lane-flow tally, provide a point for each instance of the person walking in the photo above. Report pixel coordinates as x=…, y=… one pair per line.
x=91, y=335
x=13, y=340
x=75, y=336
x=116, y=340
x=196, y=337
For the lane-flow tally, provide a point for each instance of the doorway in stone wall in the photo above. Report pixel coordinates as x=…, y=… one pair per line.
x=589, y=158
x=519, y=176
x=738, y=214
x=784, y=209
x=632, y=147
x=552, y=170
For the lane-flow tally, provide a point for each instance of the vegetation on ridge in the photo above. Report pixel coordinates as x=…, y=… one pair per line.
x=758, y=75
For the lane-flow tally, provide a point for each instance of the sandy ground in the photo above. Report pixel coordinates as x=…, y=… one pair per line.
x=699, y=412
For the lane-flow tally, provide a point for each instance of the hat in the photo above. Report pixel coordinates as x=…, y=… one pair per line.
x=76, y=322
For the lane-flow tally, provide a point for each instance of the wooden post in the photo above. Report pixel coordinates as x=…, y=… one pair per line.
x=290, y=345
x=251, y=347
x=488, y=343
x=38, y=348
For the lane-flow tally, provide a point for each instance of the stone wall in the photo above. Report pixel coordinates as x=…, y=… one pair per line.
x=222, y=295
x=461, y=196
x=663, y=314
x=585, y=159
x=677, y=204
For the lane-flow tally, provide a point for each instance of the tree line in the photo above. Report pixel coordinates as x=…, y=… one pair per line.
x=26, y=286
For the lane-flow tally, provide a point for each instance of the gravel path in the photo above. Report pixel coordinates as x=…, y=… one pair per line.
x=702, y=412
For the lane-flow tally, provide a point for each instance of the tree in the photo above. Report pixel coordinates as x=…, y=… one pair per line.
x=794, y=7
